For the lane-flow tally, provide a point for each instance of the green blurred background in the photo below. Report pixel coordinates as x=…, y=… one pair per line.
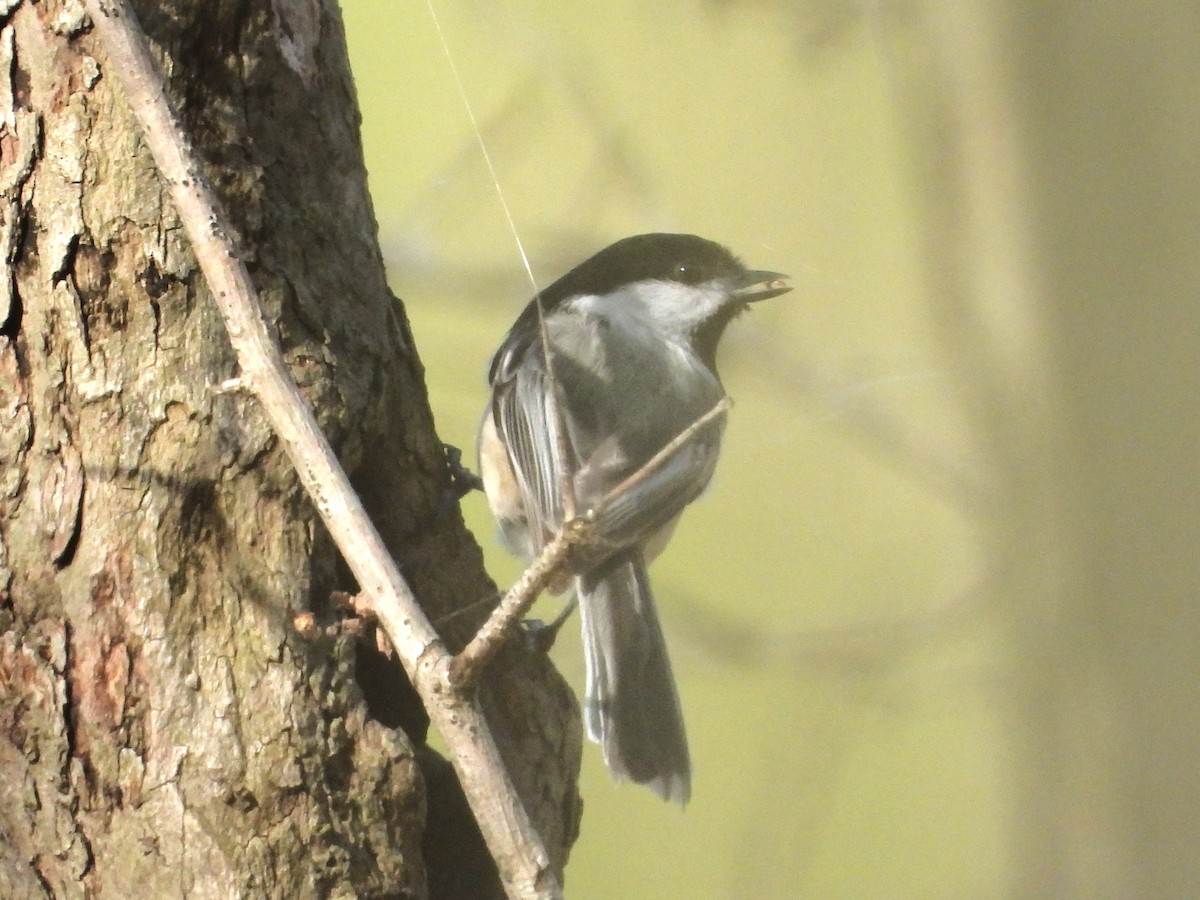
x=837, y=661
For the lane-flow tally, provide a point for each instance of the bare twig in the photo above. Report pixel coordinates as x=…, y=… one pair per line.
x=552, y=560
x=522, y=860
x=540, y=573
x=656, y=461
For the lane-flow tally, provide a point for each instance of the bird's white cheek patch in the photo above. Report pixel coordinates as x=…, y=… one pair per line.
x=667, y=308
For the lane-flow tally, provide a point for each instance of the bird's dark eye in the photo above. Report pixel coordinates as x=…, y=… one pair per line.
x=690, y=273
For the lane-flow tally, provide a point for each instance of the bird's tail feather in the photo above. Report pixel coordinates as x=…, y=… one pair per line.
x=631, y=708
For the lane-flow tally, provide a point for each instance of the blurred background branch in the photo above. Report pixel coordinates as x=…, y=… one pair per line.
x=936, y=622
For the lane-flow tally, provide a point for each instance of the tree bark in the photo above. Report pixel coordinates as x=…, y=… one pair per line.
x=165, y=728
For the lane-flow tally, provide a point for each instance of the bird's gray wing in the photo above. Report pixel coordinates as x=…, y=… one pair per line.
x=526, y=420
x=633, y=500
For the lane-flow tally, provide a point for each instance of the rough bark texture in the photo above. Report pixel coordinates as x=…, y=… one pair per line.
x=164, y=729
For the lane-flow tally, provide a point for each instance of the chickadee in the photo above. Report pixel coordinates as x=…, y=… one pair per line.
x=633, y=336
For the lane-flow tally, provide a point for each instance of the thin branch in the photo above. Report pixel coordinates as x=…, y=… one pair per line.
x=658, y=459
x=521, y=858
x=552, y=561
x=471, y=660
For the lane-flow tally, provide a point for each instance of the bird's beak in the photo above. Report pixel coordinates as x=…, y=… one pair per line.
x=754, y=286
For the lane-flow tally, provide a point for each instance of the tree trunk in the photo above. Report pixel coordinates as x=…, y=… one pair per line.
x=165, y=729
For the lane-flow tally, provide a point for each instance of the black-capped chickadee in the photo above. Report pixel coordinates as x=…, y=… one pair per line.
x=633, y=336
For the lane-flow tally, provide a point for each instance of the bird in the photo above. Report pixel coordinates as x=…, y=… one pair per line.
x=591, y=389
